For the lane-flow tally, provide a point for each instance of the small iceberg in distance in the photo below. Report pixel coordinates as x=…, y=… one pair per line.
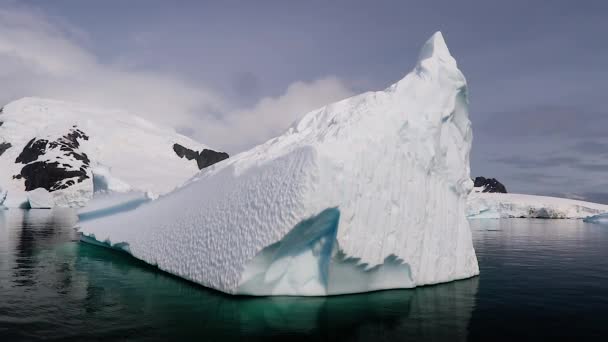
x=599, y=219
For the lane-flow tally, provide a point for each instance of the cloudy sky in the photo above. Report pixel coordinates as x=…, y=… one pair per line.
x=234, y=73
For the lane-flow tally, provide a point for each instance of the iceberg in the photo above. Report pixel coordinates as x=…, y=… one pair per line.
x=600, y=219
x=40, y=198
x=364, y=194
x=501, y=205
x=75, y=151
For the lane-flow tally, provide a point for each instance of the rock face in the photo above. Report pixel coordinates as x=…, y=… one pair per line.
x=68, y=166
x=364, y=194
x=4, y=146
x=204, y=159
x=74, y=150
x=489, y=185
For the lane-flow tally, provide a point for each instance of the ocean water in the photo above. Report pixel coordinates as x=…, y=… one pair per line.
x=540, y=279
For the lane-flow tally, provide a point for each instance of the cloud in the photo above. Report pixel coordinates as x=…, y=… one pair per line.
x=543, y=121
x=564, y=141
x=538, y=162
x=271, y=115
x=598, y=197
x=591, y=147
x=40, y=56
x=538, y=177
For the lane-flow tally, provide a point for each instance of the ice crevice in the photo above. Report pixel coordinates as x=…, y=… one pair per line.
x=309, y=262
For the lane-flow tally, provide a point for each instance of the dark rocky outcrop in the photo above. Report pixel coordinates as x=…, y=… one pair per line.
x=32, y=150
x=4, y=146
x=204, y=159
x=490, y=185
x=182, y=152
x=50, y=176
x=54, y=175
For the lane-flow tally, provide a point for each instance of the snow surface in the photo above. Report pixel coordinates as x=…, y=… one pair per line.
x=364, y=194
x=40, y=198
x=499, y=205
x=127, y=153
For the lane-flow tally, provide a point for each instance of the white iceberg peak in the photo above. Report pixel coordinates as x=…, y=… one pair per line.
x=435, y=47
x=435, y=52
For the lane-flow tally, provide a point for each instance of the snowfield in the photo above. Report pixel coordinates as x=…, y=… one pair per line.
x=499, y=205
x=364, y=194
x=74, y=150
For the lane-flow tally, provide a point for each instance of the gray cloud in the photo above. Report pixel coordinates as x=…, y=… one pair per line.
x=598, y=197
x=246, y=84
x=536, y=76
x=538, y=177
x=38, y=58
x=592, y=167
x=544, y=121
x=591, y=147
x=539, y=162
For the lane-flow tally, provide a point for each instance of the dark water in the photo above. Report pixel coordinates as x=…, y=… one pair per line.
x=540, y=279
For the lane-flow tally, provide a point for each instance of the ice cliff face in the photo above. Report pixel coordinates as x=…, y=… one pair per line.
x=364, y=194
x=72, y=150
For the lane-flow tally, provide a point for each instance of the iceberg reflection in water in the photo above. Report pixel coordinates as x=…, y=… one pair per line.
x=535, y=276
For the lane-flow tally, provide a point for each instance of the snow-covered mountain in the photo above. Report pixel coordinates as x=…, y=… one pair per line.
x=490, y=200
x=499, y=205
x=364, y=194
x=72, y=150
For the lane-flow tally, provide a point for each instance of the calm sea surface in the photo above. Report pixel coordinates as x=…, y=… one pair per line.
x=539, y=279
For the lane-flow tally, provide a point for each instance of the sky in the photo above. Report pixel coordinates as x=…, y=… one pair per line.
x=232, y=74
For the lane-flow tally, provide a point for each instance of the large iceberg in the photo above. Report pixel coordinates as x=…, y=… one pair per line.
x=365, y=194
x=500, y=205
x=75, y=150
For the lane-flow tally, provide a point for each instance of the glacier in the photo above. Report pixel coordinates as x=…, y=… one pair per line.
x=364, y=194
x=500, y=205
x=76, y=151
